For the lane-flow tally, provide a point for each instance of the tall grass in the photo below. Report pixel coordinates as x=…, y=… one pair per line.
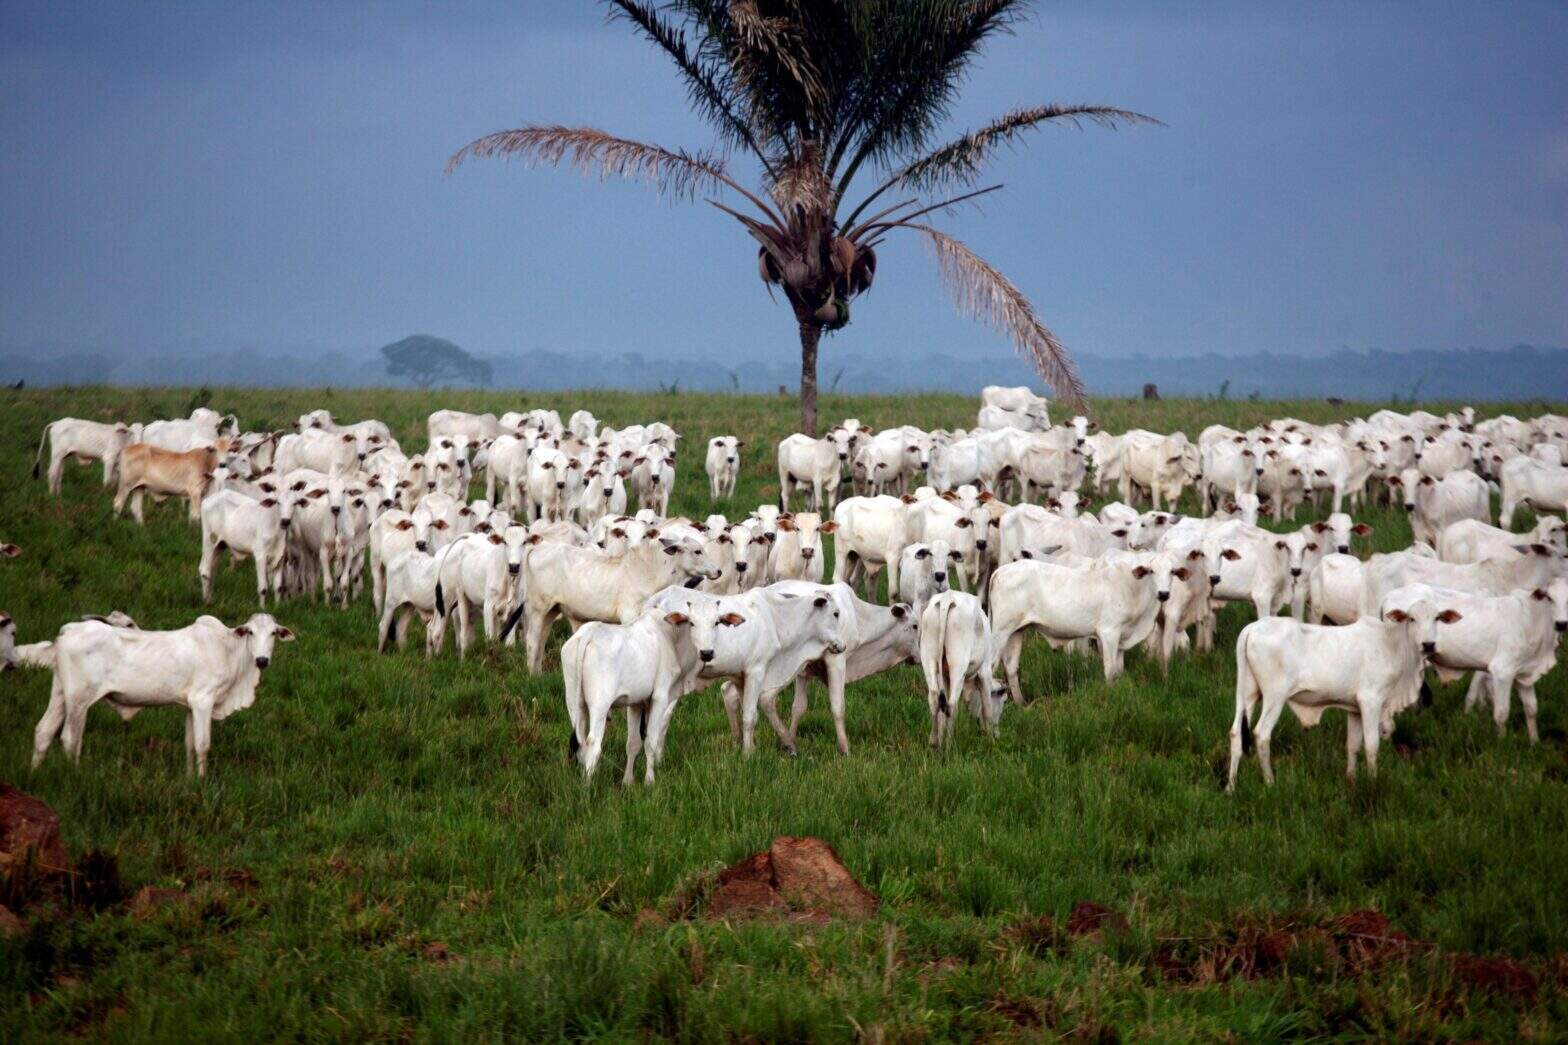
x=385, y=804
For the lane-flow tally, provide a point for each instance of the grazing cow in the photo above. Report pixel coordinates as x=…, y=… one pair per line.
x=1161, y=464
x=1535, y=484
x=479, y=571
x=1471, y=540
x=723, y=465
x=86, y=441
x=164, y=473
x=640, y=666
x=583, y=584
x=1502, y=638
x=413, y=579
x=208, y=668
x=1435, y=504
x=956, y=657
x=246, y=527
x=1371, y=669
x=1111, y=602
x=923, y=571
x=804, y=461
x=757, y=643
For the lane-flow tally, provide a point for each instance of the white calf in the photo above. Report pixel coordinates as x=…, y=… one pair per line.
x=1471, y=540
x=955, y=654
x=86, y=441
x=478, y=571
x=1534, y=484
x=246, y=527
x=412, y=581
x=1435, y=504
x=804, y=461
x=723, y=465
x=923, y=571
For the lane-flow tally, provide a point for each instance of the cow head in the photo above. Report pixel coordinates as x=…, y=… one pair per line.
x=258, y=635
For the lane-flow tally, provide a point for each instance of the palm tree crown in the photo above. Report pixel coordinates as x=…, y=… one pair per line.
x=816, y=92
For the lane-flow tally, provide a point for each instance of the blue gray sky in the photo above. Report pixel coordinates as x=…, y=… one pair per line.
x=1367, y=174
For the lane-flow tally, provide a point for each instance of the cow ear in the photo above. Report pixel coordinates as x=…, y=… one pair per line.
x=617, y=532
x=404, y=524
x=1180, y=573
x=1230, y=553
x=1426, y=480
x=986, y=497
x=283, y=634
x=676, y=618
x=1121, y=532
x=739, y=443
x=949, y=495
x=1280, y=545
x=820, y=602
x=1397, y=616
x=956, y=556
x=907, y=498
x=496, y=538
x=1319, y=527
x=1312, y=546
x=1539, y=596
x=1540, y=549
x=1140, y=572
x=348, y=438
x=923, y=553
x=671, y=548
x=735, y=620
x=965, y=523
x=535, y=538
x=269, y=502
x=786, y=524
x=1361, y=529
x=1195, y=555
x=828, y=527
x=899, y=610
x=242, y=631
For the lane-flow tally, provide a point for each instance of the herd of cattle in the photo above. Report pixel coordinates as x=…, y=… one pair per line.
x=984, y=535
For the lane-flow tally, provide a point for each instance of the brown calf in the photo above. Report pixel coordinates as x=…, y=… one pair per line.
x=165, y=473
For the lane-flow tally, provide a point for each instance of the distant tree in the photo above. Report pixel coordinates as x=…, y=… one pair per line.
x=424, y=360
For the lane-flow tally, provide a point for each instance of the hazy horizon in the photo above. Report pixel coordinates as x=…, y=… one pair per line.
x=1367, y=176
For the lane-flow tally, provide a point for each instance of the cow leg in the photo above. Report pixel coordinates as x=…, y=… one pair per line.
x=261, y=576
x=537, y=624
x=190, y=741
x=49, y=725
x=836, y=703
x=1371, y=735
x=934, y=701
x=598, y=720
x=1527, y=698
x=750, y=699
x=636, y=723
x=770, y=707
x=1262, y=734
x=731, y=697
x=1477, y=691
x=1353, y=735
x=71, y=732
x=797, y=710
x=384, y=628
x=1502, y=696
x=1012, y=647
x=208, y=564
x=1110, y=653
x=57, y=472
x=465, y=626
x=1505, y=515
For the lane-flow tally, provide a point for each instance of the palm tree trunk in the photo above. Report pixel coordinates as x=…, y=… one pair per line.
x=810, y=334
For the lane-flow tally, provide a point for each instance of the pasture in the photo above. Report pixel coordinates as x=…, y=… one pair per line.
x=389, y=847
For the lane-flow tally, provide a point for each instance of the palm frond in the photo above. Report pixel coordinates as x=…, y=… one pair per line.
x=803, y=183
x=677, y=174
x=872, y=225
x=776, y=42
x=707, y=79
x=961, y=161
x=982, y=292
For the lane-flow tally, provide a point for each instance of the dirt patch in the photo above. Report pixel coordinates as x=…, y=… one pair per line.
x=436, y=953
x=1093, y=919
x=1037, y=936
x=149, y=898
x=29, y=829
x=1502, y=976
x=797, y=878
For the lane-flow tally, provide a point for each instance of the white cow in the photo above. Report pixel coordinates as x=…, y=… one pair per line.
x=804, y=461
x=412, y=581
x=322, y=451
x=723, y=465
x=757, y=643
x=208, y=668
x=479, y=571
x=956, y=657
x=1503, y=638
x=1471, y=540
x=86, y=441
x=1534, y=484
x=1435, y=504
x=871, y=534
x=1384, y=573
x=1111, y=602
x=1018, y=399
x=1371, y=669
x=459, y=426
x=582, y=584
x=1162, y=464
x=246, y=527
x=923, y=571
x=797, y=554
x=640, y=666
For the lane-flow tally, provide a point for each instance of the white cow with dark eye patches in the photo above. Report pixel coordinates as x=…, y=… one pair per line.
x=723, y=465
x=924, y=570
x=1435, y=504
x=244, y=526
x=797, y=554
x=1504, y=639
x=208, y=668
x=1471, y=540
x=1371, y=669
x=478, y=571
x=1338, y=530
x=956, y=657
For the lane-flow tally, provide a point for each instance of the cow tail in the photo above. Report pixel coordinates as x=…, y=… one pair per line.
x=1246, y=691
x=42, y=441
x=511, y=621
x=440, y=602
x=942, y=665
x=577, y=709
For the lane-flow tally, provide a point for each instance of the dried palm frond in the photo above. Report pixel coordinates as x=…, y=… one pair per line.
x=675, y=173
x=985, y=294
x=803, y=183
x=759, y=39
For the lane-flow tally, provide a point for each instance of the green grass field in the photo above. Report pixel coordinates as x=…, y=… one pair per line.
x=370, y=806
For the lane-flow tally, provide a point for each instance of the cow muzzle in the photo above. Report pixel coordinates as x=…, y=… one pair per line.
x=1344, y=549
x=262, y=662
x=1429, y=648
x=1214, y=579
x=940, y=578
x=1562, y=625
x=1163, y=596
x=1409, y=507
x=808, y=554
x=514, y=568
x=741, y=567
x=420, y=546
x=1295, y=571
x=706, y=655
x=836, y=648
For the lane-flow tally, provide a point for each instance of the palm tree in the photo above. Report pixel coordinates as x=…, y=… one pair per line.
x=817, y=92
